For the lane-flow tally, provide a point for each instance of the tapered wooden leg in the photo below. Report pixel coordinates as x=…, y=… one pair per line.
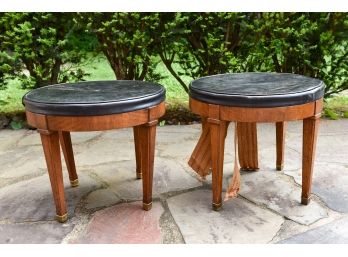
x=280, y=142
x=147, y=135
x=247, y=147
x=217, y=141
x=137, y=152
x=50, y=143
x=310, y=131
x=65, y=142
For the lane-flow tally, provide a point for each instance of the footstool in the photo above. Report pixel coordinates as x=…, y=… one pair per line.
x=56, y=110
x=248, y=98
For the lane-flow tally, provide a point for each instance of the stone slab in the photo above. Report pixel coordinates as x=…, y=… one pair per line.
x=238, y=222
x=22, y=162
x=32, y=200
x=267, y=158
x=34, y=233
x=120, y=135
x=330, y=182
x=85, y=137
x=333, y=153
x=103, y=151
x=9, y=138
x=272, y=189
x=101, y=198
x=335, y=232
x=180, y=150
x=31, y=137
x=185, y=129
x=125, y=223
x=327, y=126
x=169, y=176
x=182, y=147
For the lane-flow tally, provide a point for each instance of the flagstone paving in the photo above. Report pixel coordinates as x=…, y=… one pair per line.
x=124, y=223
x=106, y=206
x=335, y=232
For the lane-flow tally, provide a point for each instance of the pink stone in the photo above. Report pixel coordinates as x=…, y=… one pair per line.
x=124, y=223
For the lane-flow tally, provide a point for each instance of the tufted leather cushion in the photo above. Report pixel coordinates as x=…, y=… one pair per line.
x=255, y=89
x=94, y=97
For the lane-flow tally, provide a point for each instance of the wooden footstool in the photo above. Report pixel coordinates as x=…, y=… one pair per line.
x=248, y=98
x=93, y=106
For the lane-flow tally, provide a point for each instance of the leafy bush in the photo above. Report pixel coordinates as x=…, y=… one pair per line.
x=311, y=44
x=35, y=47
x=46, y=48
x=127, y=41
x=202, y=43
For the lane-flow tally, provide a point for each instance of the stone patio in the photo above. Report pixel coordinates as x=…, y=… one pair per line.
x=106, y=207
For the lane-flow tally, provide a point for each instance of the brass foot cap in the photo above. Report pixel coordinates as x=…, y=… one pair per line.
x=217, y=206
x=74, y=183
x=62, y=218
x=280, y=167
x=305, y=201
x=139, y=175
x=147, y=206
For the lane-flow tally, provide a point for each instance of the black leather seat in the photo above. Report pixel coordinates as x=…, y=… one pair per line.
x=94, y=97
x=257, y=89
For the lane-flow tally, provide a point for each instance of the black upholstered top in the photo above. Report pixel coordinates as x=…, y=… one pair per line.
x=257, y=89
x=94, y=97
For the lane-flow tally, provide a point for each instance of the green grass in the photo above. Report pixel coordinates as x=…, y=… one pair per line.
x=11, y=98
x=99, y=69
x=336, y=107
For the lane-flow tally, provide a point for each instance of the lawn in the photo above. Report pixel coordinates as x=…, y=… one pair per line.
x=176, y=98
x=337, y=107
x=11, y=98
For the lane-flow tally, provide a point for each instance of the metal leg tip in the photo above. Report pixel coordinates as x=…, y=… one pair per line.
x=62, y=218
x=305, y=201
x=139, y=175
x=280, y=167
x=74, y=183
x=217, y=206
x=147, y=206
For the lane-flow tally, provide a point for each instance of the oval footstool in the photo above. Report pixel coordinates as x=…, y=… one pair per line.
x=248, y=98
x=56, y=110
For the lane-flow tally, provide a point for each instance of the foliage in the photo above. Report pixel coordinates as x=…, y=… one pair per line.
x=16, y=124
x=201, y=43
x=46, y=48
x=35, y=48
x=312, y=44
x=127, y=41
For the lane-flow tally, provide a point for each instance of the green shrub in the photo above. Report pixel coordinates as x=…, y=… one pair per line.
x=201, y=43
x=47, y=48
x=311, y=44
x=35, y=47
x=127, y=41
